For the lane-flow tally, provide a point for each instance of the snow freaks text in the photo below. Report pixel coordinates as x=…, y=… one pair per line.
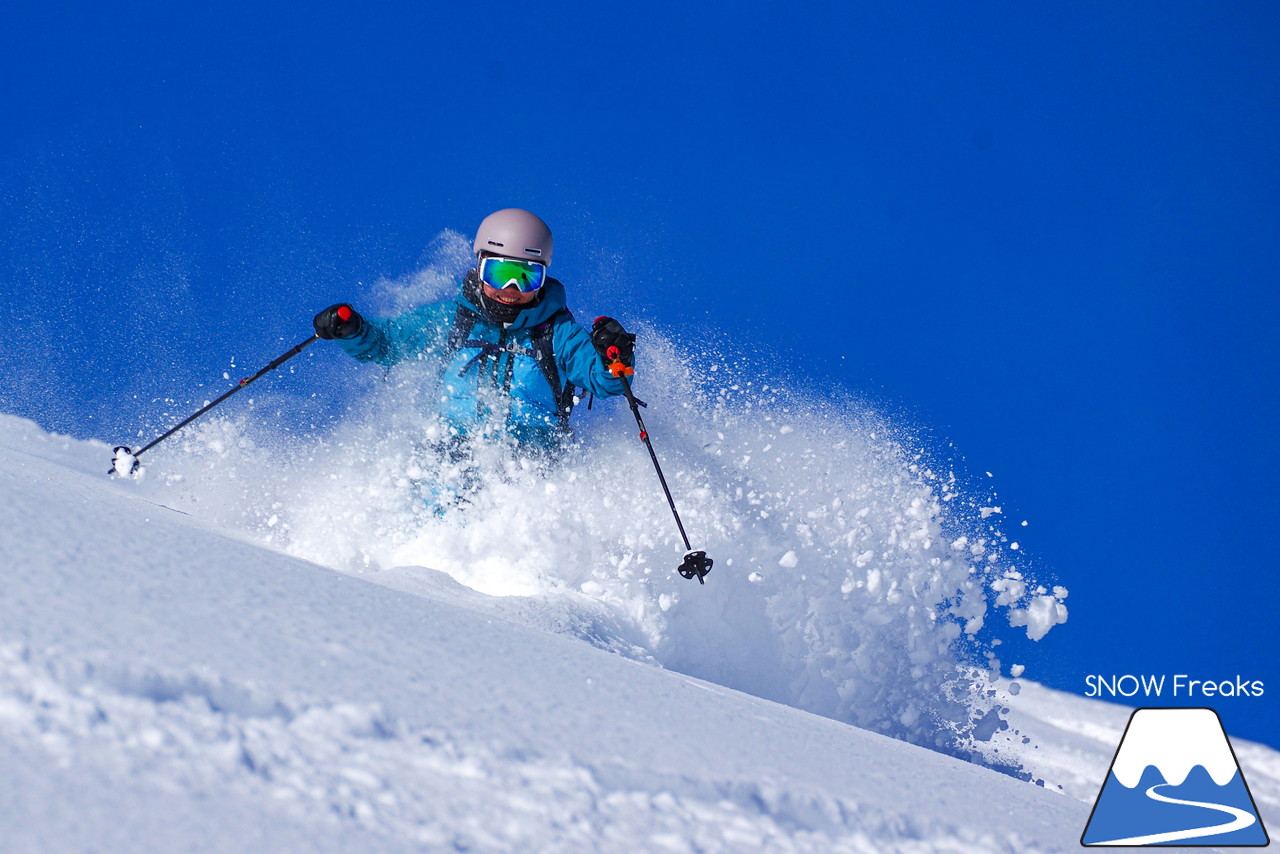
x=1180, y=686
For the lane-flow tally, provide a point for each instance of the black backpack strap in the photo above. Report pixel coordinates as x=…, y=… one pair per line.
x=544, y=351
x=463, y=320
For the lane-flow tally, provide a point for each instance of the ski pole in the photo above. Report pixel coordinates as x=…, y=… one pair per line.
x=696, y=564
x=123, y=453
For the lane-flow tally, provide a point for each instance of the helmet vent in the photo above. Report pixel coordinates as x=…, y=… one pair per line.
x=533, y=250
x=496, y=243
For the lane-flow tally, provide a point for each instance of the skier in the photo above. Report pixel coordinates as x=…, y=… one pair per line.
x=512, y=352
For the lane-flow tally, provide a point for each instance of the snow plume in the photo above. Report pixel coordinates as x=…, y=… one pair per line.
x=852, y=579
x=448, y=257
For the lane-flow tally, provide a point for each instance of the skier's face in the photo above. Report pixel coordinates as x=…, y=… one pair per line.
x=510, y=295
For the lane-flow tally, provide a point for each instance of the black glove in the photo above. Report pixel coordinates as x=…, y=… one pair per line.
x=613, y=343
x=338, y=321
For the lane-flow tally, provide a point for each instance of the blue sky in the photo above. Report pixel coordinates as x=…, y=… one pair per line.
x=1046, y=233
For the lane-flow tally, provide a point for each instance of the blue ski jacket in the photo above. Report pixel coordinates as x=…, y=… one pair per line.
x=492, y=377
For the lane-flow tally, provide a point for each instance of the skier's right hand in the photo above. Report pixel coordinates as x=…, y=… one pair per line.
x=338, y=321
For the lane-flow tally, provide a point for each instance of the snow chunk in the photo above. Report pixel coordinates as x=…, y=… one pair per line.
x=1042, y=614
x=789, y=560
x=990, y=724
x=1009, y=589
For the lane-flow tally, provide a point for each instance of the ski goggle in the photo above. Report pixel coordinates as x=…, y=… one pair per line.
x=499, y=273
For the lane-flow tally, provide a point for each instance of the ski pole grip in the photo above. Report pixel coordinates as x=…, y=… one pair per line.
x=617, y=367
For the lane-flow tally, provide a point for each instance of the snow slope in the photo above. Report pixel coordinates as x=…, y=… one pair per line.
x=169, y=685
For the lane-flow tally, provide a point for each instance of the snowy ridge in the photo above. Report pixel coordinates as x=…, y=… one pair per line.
x=164, y=686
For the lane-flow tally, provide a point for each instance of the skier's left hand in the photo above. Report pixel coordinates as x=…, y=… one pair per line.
x=613, y=343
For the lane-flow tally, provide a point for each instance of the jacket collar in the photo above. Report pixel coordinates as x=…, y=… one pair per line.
x=548, y=305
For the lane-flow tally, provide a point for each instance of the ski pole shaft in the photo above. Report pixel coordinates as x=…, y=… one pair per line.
x=696, y=563
x=644, y=437
x=275, y=363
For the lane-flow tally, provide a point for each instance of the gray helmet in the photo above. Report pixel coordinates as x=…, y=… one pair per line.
x=514, y=233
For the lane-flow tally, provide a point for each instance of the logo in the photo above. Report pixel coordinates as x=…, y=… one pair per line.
x=1175, y=780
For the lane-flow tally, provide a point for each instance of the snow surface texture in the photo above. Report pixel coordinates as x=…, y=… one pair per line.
x=167, y=686
x=852, y=579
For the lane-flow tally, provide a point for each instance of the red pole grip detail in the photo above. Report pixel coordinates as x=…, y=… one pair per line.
x=612, y=352
x=344, y=313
